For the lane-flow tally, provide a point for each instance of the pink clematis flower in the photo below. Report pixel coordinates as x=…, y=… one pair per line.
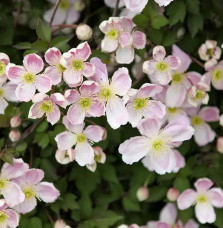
x=11, y=191
x=9, y=218
x=204, y=199
x=120, y=37
x=28, y=77
x=4, y=61
x=44, y=104
x=139, y=105
x=160, y=68
x=168, y=219
x=81, y=139
x=33, y=188
x=155, y=144
x=85, y=103
x=76, y=66
x=163, y=2
x=135, y=5
x=203, y=133
x=65, y=156
x=7, y=93
x=109, y=93
x=55, y=70
x=68, y=11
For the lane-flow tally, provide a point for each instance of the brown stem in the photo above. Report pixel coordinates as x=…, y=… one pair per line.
x=116, y=8
x=197, y=61
x=17, y=14
x=62, y=26
x=54, y=11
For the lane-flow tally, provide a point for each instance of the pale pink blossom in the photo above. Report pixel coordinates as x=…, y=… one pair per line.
x=76, y=66
x=81, y=139
x=203, y=133
x=163, y=2
x=7, y=93
x=135, y=5
x=159, y=69
x=155, y=145
x=204, y=198
x=220, y=145
x=142, y=193
x=28, y=77
x=120, y=37
x=4, y=61
x=15, y=121
x=111, y=92
x=9, y=218
x=84, y=32
x=84, y=103
x=65, y=156
x=172, y=194
x=10, y=190
x=34, y=189
x=44, y=104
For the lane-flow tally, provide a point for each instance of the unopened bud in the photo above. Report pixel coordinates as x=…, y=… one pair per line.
x=14, y=135
x=172, y=194
x=142, y=193
x=220, y=145
x=83, y=32
x=15, y=121
x=221, y=120
x=61, y=224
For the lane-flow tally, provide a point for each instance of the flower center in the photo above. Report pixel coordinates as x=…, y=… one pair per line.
x=61, y=68
x=139, y=103
x=106, y=93
x=202, y=198
x=172, y=110
x=1, y=92
x=2, y=68
x=217, y=74
x=177, y=77
x=3, y=183
x=196, y=120
x=3, y=217
x=29, y=78
x=158, y=145
x=210, y=52
x=78, y=64
x=113, y=34
x=200, y=94
x=162, y=66
x=46, y=106
x=29, y=193
x=85, y=102
x=64, y=4
x=81, y=138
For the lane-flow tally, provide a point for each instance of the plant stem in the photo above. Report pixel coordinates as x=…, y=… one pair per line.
x=116, y=8
x=54, y=12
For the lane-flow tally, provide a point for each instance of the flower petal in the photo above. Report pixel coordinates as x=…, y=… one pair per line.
x=89, y=70
x=203, y=184
x=209, y=114
x=83, y=51
x=26, y=206
x=33, y=63
x=25, y=92
x=94, y=133
x=53, y=74
x=109, y=45
x=139, y=40
x=75, y=114
x=149, y=90
x=216, y=197
x=65, y=140
x=43, y=83
x=52, y=56
x=159, y=53
x=169, y=214
x=9, y=91
x=186, y=199
x=174, y=62
x=14, y=73
x=54, y=116
x=205, y=213
x=125, y=55
x=13, y=218
x=72, y=77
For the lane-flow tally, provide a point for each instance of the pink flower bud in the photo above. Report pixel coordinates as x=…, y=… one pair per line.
x=61, y=224
x=83, y=32
x=15, y=121
x=220, y=145
x=142, y=193
x=172, y=194
x=14, y=135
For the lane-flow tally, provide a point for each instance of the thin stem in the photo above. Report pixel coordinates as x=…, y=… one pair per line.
x=62, y=26
x=54, y=11
x=17, y=14
x=116, y=8
x=197, y=61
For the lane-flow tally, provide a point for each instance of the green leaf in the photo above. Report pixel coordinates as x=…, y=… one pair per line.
x=141, y=20
x=35, y=223
x=85, y=206
x=43, y=31
x=42, y=127
x=21, y=147
x=130, y=205
x=2, y=142
x=69, y=202
x=159, y=21
x=219, y=217
x=157, y=193
x=181, y=183
x=59, y=42
x=108, y=173
x=40, y=45
x=195, y=23
x=23, y=45
x=7, y=156
x=185, y=215
x=169, y=39
x=193, y=6
x=42, y=139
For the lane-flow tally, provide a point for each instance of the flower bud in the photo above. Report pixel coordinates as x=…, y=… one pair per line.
x=15, y=121
x=61, y=224
x=220, y=145
x=221, y=120
x=142, y=193
x=14, y=135
x=83, y=32
x=172, y=194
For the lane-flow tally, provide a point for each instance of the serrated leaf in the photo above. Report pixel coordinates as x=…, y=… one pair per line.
x=43, y=31
x=23, y=45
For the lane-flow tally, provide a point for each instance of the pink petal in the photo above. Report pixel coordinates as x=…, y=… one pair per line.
x=121, y=81
x=135, y=6
x=83, y=51
x=3, y=105
x=125, y=39
x=134, y=116
x=89, y=70
x=76, y=128
x=149, y=90
x=139, y=40
x=13, y=218
x=149, y=66
x=84, y=154
x=97, y=109
x=194, y=77
x=205, y=213
x=109, y=45
x=134, y=149
x=89, y=88
x=209, y=114
x=163, y=225
x=71, y=96
x=125, y=55
x=58, y=98
x=65, y=140
x=162, y=78
x=47, y=192
x=203, y=184
x=52, y=56
x=33, y=63
x=35, y=112
x=75, y=114
x=14, y=73
x=155, y=109
x=9, y=91
x=180, y=161
x=174, y=62
x=72, y=77
x=26, y=206
x=186, y=199
x=54, y=116
x=94, y=133
x=127, y=24
x=43, y=83
x=53, y=74
x=159, y=53
x=25, y=92
x=34, y=176
x=169, y=214
x=216, y=196
x=191, y=224
x=72, y=16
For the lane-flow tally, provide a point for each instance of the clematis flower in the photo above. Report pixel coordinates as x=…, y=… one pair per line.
x=33, y=188
x=7, y=93
x=68, y=11
x=81, y=139
x=8, y=217
x=139, y=105
x=168, y=219
x=163, y=2
x=204, y=199
x=55, y=70
x=203, y=133
x=28, y=77
x=110, y=91
x=44, y=104
x=65, y=156
x=10, y=190
x=84, y=103
x=135, y=5
x=4, y=61
x=76, y=66
x=155, y=145
x=159, y=69
x=120, y=37
x=99, y=157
